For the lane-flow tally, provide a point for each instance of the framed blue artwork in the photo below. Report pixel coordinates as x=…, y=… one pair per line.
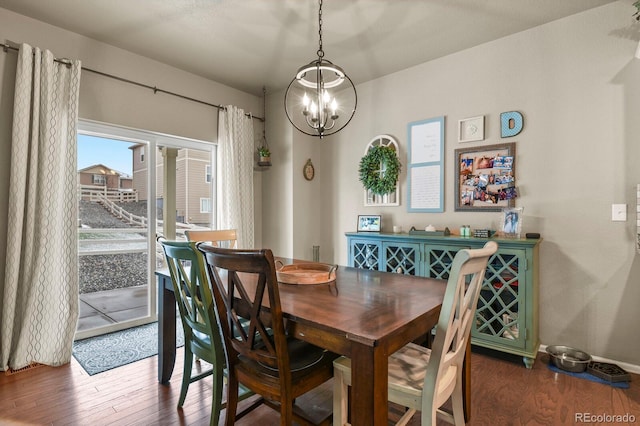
x=425, y=171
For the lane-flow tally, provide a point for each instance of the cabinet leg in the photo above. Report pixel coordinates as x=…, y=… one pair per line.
x=528, y=362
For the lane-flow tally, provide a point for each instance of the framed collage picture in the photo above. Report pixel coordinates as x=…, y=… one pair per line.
x=485, y=177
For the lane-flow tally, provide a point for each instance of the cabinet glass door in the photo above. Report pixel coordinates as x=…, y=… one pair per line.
x=366, y=255
x=439, y=260
x=500, y=311
x=401, y=258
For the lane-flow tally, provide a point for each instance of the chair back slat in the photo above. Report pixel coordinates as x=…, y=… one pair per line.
x=227, y=238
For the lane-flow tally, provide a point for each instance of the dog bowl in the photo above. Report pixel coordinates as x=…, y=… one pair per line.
x=568, y=359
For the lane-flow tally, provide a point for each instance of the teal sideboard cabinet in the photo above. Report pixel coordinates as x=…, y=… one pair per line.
x=507, y=313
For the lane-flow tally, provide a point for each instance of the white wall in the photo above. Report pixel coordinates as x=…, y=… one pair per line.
x=578, y=86
x=111, y=101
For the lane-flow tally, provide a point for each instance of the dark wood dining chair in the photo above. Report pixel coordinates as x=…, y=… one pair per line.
x=263, y=357
x=423, y=379
x=199, y=321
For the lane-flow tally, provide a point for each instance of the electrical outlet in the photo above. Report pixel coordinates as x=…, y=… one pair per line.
x=619, y=212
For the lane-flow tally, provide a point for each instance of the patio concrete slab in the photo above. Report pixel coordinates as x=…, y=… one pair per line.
x=102, y=308
x=119, y=299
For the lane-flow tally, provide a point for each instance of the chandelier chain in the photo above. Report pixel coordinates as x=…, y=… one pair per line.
x=264, y=114
x=320, y=51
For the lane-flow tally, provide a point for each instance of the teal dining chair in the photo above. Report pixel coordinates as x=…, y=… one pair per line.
x=423, y=379
x=202, y=336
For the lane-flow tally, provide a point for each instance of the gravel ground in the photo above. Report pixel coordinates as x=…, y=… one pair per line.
x=107, y=272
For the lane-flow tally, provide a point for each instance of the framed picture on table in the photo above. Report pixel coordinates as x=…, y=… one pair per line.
x=511, y=223
x=369, y=223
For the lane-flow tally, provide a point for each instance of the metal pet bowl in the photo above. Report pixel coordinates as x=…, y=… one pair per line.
x=568, y=359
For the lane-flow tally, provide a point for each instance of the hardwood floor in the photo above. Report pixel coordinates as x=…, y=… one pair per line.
x=503, y=392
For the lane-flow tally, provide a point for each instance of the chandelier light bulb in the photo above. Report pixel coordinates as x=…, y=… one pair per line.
x=326, y=97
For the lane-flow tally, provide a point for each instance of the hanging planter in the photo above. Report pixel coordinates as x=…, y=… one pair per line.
x=379, y=170
x=265, y=156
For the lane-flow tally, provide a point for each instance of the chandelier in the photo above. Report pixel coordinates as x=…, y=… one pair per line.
x=321, y=100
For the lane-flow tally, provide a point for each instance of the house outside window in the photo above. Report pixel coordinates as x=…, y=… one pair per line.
x=149, y=184
x=205, y=205
x=207, y=173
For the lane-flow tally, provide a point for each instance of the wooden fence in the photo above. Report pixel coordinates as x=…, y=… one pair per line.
x=96, y=193
x=119, y=212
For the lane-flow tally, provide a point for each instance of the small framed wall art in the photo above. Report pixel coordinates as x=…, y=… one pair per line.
x=471, y=129
x=369, y=223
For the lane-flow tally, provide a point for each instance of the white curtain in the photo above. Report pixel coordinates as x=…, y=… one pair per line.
x=39, y=299
x=235, y=174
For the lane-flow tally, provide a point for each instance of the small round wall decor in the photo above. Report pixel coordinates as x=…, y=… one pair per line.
x=309, y=171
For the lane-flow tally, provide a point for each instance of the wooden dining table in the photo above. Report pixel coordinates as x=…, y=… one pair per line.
x=365, y=315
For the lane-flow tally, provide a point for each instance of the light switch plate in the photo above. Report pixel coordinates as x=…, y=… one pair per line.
x=619, y=212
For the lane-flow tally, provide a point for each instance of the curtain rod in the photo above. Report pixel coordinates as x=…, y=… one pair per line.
x=155, y=89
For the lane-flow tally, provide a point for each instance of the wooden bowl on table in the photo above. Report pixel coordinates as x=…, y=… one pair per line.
x=307, y=273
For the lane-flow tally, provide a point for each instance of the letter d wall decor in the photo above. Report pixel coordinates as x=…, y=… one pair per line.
x=510, y=124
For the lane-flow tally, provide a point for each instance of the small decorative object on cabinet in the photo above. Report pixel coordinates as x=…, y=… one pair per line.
x=369, y=223
x=507, y=312
x=511, y=223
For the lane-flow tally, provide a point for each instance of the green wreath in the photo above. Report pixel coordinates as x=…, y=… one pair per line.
x=370, y=170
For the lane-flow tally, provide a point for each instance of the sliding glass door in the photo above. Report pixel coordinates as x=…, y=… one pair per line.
x=126, y=199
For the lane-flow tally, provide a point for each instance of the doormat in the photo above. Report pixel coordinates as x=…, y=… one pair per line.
x=589, y=376
x=102, y=353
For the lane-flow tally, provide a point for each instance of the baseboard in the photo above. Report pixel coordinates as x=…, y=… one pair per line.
x=630, y=368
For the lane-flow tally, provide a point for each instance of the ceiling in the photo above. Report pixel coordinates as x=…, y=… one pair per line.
x=248, y=44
